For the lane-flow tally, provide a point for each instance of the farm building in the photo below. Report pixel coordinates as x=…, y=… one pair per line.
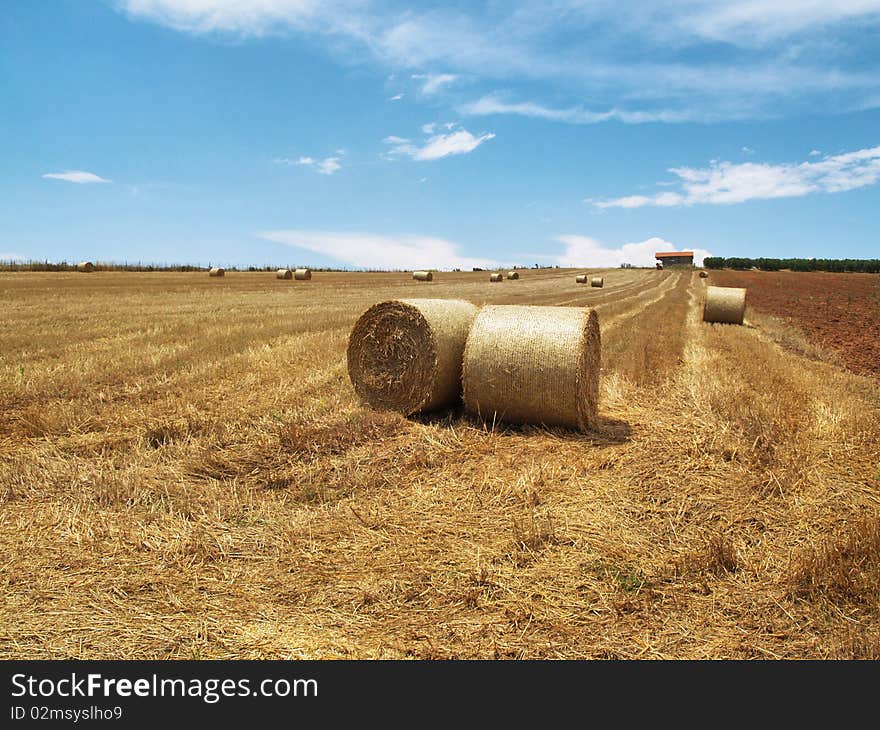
x=675, y=258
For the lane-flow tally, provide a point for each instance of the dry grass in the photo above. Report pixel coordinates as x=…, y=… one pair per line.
x=220, y=492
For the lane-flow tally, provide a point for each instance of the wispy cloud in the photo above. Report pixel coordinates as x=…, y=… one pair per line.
x=458, y=142
x=396, y=97
x=79, y=177
x=495, y=104
x=378, y=251
x=585, y=251
x=432, y=83
x=747, y=150
x=772, y=58
x=327, y=166
x=727, y=182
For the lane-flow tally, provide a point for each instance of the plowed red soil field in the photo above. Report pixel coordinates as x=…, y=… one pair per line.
x=839, y=312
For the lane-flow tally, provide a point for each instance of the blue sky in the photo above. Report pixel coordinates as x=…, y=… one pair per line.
x=380, y=134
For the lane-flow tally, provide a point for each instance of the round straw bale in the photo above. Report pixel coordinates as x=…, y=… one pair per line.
x=598, y=281
x=423, y=276
x=537, y=365
x=217, y=271
x=496, y=277
x=581, y=278
x=405, y=355
x=724, y=304
x=703, y=275
x=86, y=266
x=284, y=274
x=513, y=275
x=302, y=274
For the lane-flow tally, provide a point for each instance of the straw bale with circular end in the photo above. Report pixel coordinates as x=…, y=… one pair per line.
x=581, y=278
x=724, y=304
x=405, y=355
x=302, y=274
x=513, y=275
x=496, y=277
x=284, y=274
x=598, y=281
x=536, y=365
x=703, y=275
x=423, y=276
x=217, y=271
x=85, y=266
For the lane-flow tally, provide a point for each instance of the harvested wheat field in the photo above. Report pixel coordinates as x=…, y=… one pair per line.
x=186, y=472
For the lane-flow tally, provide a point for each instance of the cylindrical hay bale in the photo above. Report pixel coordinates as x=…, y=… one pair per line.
x=284, y=274
x=724, y=304
x=598, y=281
x=86, y=266
x=217, y=271
x=703, y=275
x=513, y=275
x=496, y=277
x=423, y=276
x=302, y=274
x=581, y=278
x=533, y=365
x=405, y=355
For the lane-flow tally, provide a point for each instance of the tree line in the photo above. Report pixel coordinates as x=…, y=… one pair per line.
x=867, y=266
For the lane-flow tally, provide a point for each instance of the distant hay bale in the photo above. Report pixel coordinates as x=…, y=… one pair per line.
x=597, y=281
x=496, y=277
x=724, y=304
x=703, y=274
x=302, y=274
x=85, y=266
x=513, y=275
x=405, y=355
x=217, y=271
x=284, y=274
x=423, y=276
x=581, y=278
x=536, y=365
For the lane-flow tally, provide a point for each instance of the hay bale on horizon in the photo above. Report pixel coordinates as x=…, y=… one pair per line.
x=724, y=304
x=284, y=274
x=302, y=274
x=423, y=276
x=513, y=275
x=85, y=266
x=527, y=364
x=217, y=271
x=703, y=275
x=581, y=278
x=598, y=281
x=405, y=355
x=496, y=277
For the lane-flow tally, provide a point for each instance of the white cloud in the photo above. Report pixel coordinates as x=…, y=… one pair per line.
x=396, y=97
x=5, y=256
x=76, y=176
x=458, y=142
x=434, y=82
x=429, y=128
x=327, y=166
x=726, y=182
x=747, y=150
x=377, y=251
x=583, y=251
x=494, y=104
x=815, y=153
x=789, y=55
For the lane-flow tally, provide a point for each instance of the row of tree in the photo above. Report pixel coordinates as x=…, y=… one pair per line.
x=867, y=266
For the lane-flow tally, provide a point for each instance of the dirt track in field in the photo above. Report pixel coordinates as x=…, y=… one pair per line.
x=185, y=472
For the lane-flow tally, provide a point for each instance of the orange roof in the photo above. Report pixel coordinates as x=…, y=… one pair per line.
x=673, y=253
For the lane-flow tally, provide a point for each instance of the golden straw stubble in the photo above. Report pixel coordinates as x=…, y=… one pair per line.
x=535, y=365
x=726, y=304
x=405, y=355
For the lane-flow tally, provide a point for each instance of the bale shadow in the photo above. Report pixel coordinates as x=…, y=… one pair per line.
x=607, y=431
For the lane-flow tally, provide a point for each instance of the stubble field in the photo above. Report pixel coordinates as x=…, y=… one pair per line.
x=185, y=472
